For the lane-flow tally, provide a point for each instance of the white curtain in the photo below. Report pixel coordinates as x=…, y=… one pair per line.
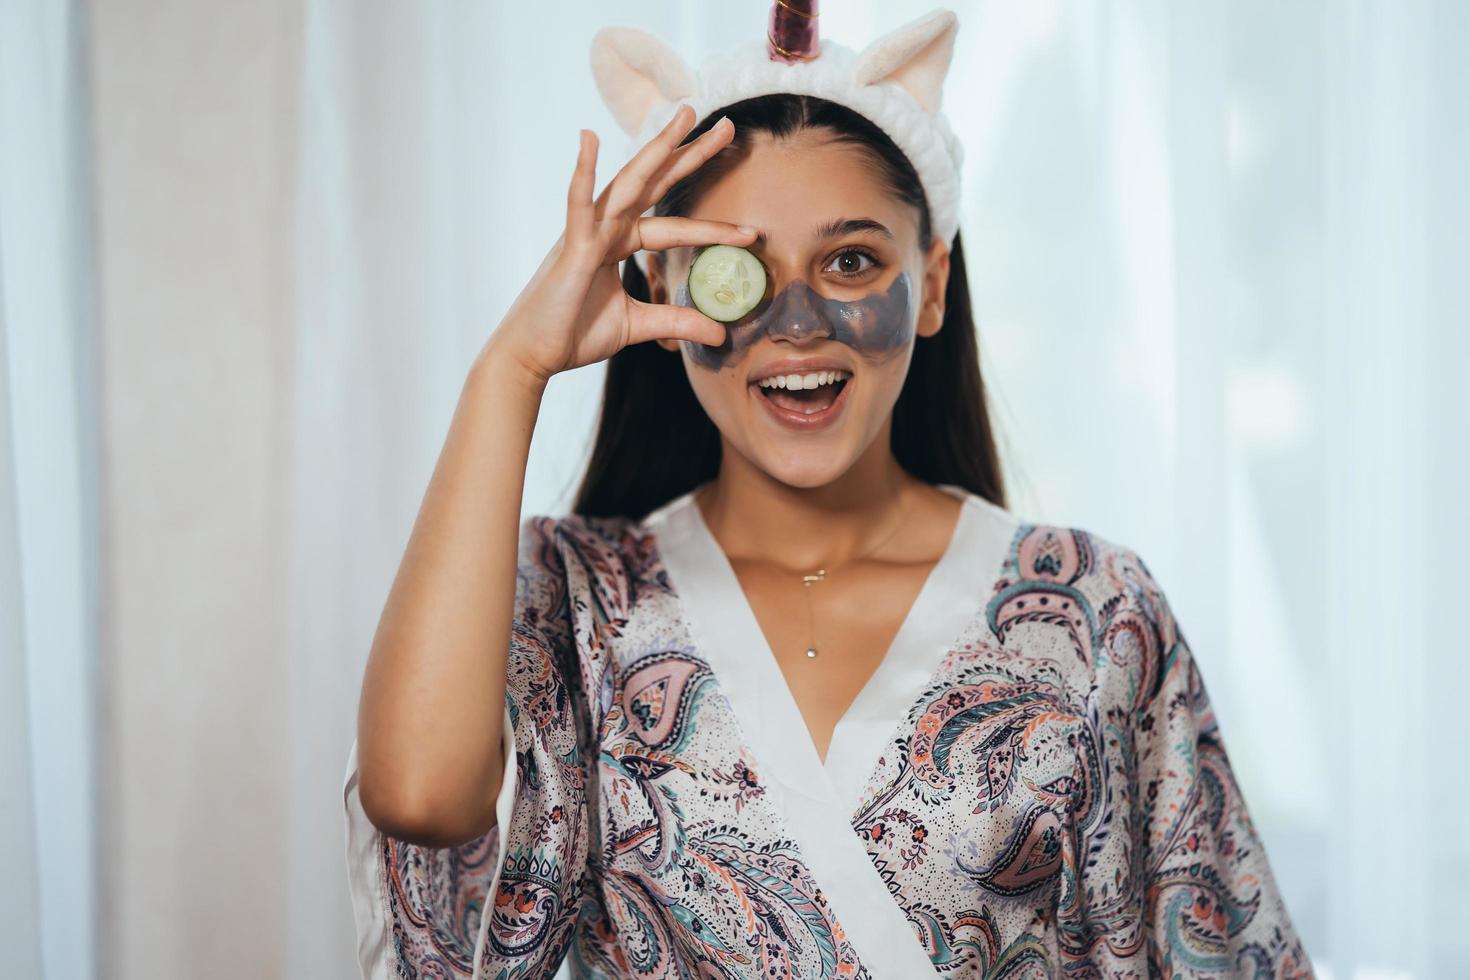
x=48, y=544
x=1217, y=255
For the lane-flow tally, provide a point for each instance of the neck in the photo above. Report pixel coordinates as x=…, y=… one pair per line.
x=753, y=515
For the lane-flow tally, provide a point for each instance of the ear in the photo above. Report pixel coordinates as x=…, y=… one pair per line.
x=936, y=283
x=657, y=286
x=636, y=73
x=916, y=57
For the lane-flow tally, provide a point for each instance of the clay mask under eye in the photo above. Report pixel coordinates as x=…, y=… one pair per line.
x=877, y=325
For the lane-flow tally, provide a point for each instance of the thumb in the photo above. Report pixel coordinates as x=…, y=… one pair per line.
x=654, y=321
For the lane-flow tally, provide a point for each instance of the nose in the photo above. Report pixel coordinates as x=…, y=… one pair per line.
x=798, y=313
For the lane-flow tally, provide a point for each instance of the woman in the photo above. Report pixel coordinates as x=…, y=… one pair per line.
x=791, y=693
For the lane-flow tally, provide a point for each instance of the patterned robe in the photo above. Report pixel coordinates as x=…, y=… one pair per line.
x=1032, y=784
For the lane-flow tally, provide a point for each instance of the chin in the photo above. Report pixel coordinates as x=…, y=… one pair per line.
x=803, y=468
x=802, y=461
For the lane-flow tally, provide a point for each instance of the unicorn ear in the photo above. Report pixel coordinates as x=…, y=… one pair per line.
x=916, y=56
x=636, y=73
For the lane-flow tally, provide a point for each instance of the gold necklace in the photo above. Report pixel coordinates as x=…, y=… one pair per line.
x=820, y=575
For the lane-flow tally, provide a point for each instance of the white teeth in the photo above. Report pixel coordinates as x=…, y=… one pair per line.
x=813, y=380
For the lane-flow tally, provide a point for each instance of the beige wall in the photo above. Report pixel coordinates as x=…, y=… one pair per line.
x=195, y=143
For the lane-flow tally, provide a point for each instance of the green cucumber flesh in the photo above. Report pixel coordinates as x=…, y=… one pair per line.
x=726, y=282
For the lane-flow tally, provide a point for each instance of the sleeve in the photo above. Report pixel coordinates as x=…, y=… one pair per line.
x=1165, y=874
x=506, y=903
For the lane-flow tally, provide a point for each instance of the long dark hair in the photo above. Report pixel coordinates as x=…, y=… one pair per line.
x=654, y=440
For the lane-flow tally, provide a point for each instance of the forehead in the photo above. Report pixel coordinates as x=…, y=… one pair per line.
x=786, y=187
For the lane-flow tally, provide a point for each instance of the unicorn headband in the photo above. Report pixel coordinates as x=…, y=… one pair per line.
x=897, y=82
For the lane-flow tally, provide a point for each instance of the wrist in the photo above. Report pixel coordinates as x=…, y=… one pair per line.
x=498, y=366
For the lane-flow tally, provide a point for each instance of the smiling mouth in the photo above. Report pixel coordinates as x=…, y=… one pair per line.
x=807, y=401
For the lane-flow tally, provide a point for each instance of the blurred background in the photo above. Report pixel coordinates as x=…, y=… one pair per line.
x=248, y=249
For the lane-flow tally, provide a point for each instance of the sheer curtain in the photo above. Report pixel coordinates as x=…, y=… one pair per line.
x=1217, y=254
x=48, y=543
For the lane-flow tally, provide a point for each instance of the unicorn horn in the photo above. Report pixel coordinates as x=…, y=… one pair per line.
x=792, y=34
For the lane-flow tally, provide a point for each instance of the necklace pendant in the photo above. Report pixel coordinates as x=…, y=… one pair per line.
x=811, y=652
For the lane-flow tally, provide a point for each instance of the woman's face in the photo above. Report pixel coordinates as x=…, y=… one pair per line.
x=848, y=290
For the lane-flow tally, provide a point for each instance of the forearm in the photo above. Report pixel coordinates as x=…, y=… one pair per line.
x=429, y=718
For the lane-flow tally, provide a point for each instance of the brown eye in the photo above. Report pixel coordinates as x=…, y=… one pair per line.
x=849, y=263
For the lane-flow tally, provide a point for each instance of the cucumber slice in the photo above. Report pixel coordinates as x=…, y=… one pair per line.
x=726, y=282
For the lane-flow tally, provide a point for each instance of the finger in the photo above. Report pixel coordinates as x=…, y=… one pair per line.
x=652, y=321
x=579, y=194
x=655, y=234
x=627, y=186
x=687, y=159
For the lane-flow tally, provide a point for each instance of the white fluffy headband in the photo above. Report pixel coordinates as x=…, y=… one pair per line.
x=897, y=82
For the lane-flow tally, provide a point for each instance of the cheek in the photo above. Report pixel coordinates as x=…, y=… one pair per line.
x=880, y=325
x=719, y=392
x=740, y=335
x=885, y=377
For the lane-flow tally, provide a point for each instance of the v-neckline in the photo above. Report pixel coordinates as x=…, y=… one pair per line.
x=817, y=799
x=953, y=596
x=908, y=629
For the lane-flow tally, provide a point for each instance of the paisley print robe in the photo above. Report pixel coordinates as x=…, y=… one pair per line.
x=1032, y=784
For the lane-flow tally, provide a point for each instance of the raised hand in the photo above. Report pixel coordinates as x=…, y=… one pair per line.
x=575, y=311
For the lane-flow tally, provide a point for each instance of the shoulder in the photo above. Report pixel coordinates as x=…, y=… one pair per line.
x=1079, y=558
x=614, y=558
x=1096, y=590
x=580, y=532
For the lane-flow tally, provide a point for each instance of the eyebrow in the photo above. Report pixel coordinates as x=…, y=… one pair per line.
x=838, y=227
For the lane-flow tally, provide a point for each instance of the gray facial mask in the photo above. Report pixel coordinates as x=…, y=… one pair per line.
x=876, y=326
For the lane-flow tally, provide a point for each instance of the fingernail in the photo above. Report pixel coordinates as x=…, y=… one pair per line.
x=723, y=119
x=745, y=229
